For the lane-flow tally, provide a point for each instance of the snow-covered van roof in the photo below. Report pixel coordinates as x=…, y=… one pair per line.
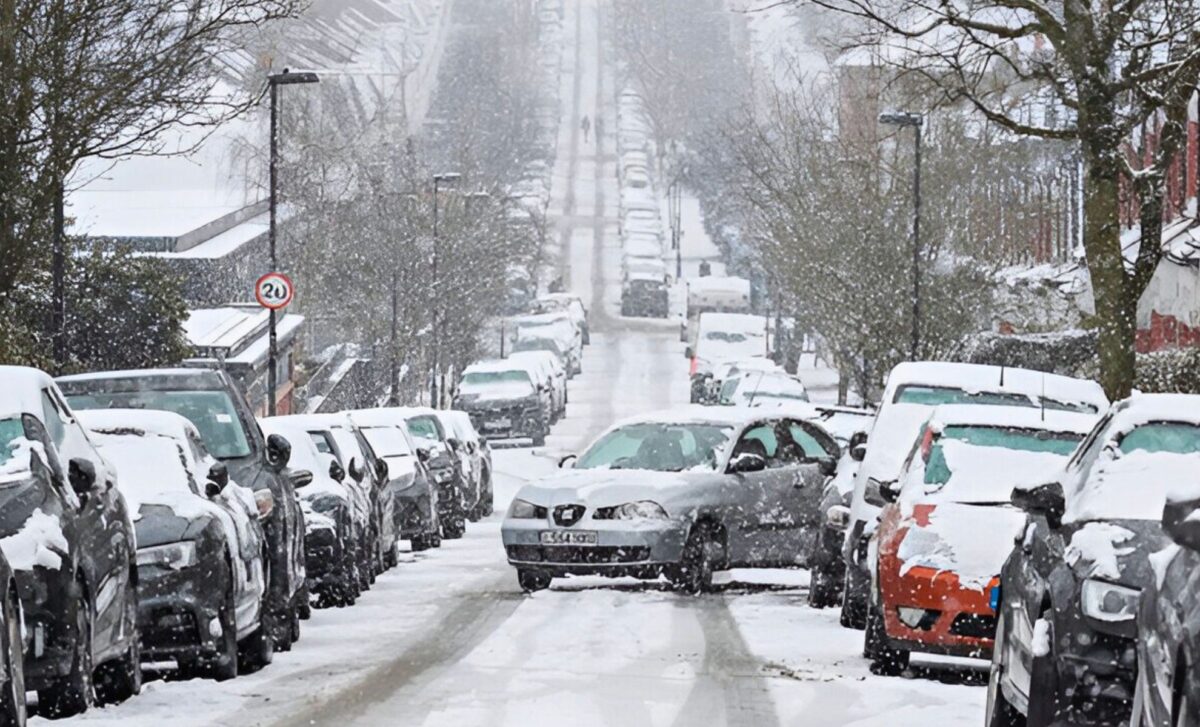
x=975, y=378
x=20, y=390
x=966, y=415
x=132, y=379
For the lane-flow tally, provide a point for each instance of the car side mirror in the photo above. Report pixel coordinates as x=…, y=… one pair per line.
x=858, y=446
x=300, y=478
x=423, y=454
x=1045, y=500
x=212, y=490
x=336, y=471
x=218, y=475
x=1181, y=521
x=568, y=461
x=747, y=462
x=873, y=494
x=828, y=466
x=889, y=492
x=838, y=517
x=279, y=452
x=356, y=472
x=82, y=475
x=454, y=443
x=381, y=470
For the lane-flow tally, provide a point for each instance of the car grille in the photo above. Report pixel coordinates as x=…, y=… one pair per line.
x=974, y=626
x=170, y=628
x=569, y=554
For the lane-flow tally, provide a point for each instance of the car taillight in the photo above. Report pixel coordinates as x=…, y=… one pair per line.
x=927, y=445
x=695, y=365
x=265, y=502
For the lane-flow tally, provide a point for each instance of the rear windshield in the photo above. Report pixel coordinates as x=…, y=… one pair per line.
x=1012, y=438
x=211, y=411
x=1171, y=437
x=425, y=428
x=387, y=441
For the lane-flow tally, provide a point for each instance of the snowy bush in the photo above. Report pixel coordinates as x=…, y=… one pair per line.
x=1176, y=371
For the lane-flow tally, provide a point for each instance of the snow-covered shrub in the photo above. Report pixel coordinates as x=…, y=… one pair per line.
x=1176, y=371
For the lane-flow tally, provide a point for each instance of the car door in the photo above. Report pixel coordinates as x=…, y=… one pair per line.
x=803, y=447
x=757, y=510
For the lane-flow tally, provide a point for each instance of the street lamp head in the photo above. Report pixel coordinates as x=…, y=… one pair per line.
x=901, y=118
x=447, y=177
x=288, y=78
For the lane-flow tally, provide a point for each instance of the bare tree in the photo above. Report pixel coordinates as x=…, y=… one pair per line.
x=1070, y=70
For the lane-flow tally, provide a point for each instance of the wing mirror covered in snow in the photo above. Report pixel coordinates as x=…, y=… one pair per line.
x=568, y=461
x=747, y=462
x=858, y=446
x=218, y=475
x=300, y=478
x=1045, y=500
x=829, y=467
x=889, y=491
x=424, y=454
x=381, y=470
x=279, y=452
x=1181, y=520
x=356, y=473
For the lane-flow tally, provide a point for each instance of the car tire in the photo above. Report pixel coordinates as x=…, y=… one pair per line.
x=885, y=659
x=223, y=666
x=258, y=649
x=73, y=693
x=694, y=572
x=1045, y=692
x=823, y=589
x=421, y=542
x=304, y=600
x=532, y=580
x=391, y=558
x=13, y=712
x=1184, y=710
x=288, y=625
x=454, y=526
x=999, y=712
x=539, y=439
x=853, y=614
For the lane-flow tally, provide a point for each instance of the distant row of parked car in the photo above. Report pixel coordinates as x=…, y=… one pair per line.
x=644, y=283
x=149, y=516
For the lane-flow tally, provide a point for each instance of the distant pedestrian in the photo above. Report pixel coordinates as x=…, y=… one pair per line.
x=586, y=125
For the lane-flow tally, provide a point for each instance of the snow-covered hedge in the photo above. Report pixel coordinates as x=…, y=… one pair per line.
x=1176, y=371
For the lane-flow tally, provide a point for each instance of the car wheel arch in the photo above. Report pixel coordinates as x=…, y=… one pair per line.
x=720, y=533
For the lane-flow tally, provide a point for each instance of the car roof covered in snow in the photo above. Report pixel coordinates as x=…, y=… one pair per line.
x=1001, y=379
x=20, y=390
x=951, y=415
x=1142, y=408
x=167, y=379
x=318, y=421
x=745, y=323
x=500, y=365
x=720, y=283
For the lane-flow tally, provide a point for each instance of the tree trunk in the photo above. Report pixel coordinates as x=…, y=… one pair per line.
x=1116, y=312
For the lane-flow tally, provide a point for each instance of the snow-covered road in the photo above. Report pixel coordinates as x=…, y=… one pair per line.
x=448, y=639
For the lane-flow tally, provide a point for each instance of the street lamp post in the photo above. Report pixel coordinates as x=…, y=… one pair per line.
x=274, y=81
x=438, y=180
x=916, y=122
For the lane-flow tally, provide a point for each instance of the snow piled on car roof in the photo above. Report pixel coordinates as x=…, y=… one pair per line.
x=1015, y=417
x=975, y=378
x=1132, y=487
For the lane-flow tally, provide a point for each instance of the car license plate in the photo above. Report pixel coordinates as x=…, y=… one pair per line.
x=498, y=424
x=568, y=537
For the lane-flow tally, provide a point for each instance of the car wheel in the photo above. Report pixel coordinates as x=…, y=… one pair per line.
x=454, y=526
x=304, y=599
x=421, y=542
x=694, y=573
x=539, y=439
x=223, y=666
x=1045, y=694
x=532, y=580
x=12, y=699
x=285, y=633
x=258, y=649
x=73, y=693
x=1183, y=708
x=885, y=659
x=853, y=614
x=999, y=712
x=823, y=589
x=391, y=558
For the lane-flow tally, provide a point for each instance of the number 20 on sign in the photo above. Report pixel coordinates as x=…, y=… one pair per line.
x=274, y=291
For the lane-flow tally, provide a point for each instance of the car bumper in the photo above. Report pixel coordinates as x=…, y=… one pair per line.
x=323, y=559
x=413, y=512
x=956, y=620
x=45, y=597
x=508, y=424
x=178, y=613
x=641, y=550
x=1101, y=675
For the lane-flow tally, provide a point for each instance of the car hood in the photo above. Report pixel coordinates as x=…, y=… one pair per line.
x=1114, y=550
x=971, y=541
x=249, y=471
x=158, y=524
x=603, y=488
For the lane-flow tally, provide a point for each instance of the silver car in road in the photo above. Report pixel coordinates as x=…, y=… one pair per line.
x=680, y=493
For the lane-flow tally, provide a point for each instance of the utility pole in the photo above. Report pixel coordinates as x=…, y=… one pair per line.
x=58, y=314
x=914, y=121
x=438, y=179
x=274, y=81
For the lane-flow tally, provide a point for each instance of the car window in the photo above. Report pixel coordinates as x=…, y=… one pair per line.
x=425, y=428
x=387, y=441
x=1171, y=437
x=56, y=425
x=210, y=411
x=804, y=437
x=657, y=446
x=324, y=443
x=762, y=440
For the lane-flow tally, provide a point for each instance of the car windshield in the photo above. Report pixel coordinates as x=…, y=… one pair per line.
x=937, y=472
x=726, y=336
x=486, y=379
x=12, y=437
x=1172, y=437
x=212, y=412
x=424, y=428
x=658, y=446
x=387, y=441
x=938, y=395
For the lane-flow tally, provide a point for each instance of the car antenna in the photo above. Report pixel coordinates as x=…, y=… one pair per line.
x=1043, y=396
x=1001, y=375
x=755, y=392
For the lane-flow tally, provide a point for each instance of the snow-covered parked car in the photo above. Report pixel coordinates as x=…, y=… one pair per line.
x=949, y=525
x=1168, y=681
x=210, y=400
x=481, y=460
x=913, y=390
x=762, y=388
x=717, y=294
x=332, y=523
x=569, y=303
x=644, y=293
x=680, y=493
x=415, y=495
x=1066, y=639
x=724, y=337
x=68, y=537
x=555, y=332
x=444, y=466
x=12, y=649
x=200, y=549
x=550, y=373
x=504, y=401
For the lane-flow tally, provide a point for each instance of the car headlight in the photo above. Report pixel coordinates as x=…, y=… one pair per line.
x=442, y=476
x=1105, y=601
x=176, y=556
x=524, y=510
x=641, y=510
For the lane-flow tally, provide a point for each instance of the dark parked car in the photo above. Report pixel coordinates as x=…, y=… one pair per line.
x=443, y=464
x=332, y=530
x=414, y=494
x=645, y=295
x=1168, y=686
x=69, y=539
x=505, y=401
x=475, y=451
x=1068, y=596
x=211, y=401
x=12, y=652
x=201, y=551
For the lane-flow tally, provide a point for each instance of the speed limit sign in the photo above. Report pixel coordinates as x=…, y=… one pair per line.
x=274, y=291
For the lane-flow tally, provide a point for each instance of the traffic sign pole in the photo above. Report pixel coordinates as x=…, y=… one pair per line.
x=273, y=291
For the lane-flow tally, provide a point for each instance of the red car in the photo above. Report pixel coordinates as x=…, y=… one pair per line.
x=949, y=526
